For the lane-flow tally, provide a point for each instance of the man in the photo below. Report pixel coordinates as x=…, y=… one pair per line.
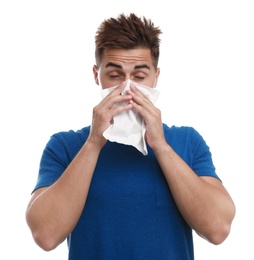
x=109, y=200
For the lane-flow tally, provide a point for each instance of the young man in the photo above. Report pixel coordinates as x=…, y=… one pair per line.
x=108, y=199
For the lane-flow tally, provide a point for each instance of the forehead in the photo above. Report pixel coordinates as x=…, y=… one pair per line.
x=132, y=57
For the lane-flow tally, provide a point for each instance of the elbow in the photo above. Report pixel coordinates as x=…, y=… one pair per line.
x=218, y=231
x=215, y=235
x=219, y=228
x=44, y=242
x=219, y=234
x=44, y=239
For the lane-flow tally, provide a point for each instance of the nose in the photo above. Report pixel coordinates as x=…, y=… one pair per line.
x=127, y=77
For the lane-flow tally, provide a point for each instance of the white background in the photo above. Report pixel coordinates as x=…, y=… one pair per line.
x=46, y=86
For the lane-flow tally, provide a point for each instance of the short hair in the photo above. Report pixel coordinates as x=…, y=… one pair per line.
x=127, y=32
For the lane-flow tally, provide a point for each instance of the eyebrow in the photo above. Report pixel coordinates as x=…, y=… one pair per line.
x=111, y=64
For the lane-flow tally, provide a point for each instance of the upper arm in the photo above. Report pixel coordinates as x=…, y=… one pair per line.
x=214, y=182
x=36, y=194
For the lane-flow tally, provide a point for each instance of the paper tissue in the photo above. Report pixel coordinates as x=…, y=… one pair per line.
x=128, y=127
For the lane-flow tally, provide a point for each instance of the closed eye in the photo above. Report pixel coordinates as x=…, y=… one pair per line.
x=139, y=77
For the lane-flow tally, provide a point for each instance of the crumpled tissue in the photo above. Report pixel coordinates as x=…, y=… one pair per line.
x=128, y=127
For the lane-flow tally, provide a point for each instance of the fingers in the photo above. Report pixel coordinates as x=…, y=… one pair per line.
x=113, y=104
x=115, y=97
x=140, y=101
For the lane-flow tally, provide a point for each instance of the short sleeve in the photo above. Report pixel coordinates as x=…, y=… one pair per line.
x=202, y=163
x=52, y=164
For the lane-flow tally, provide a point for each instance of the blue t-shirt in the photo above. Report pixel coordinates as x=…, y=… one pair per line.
x=130, y=213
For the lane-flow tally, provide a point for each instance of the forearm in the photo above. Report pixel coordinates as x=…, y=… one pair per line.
x=203, y=202
x=53, y=214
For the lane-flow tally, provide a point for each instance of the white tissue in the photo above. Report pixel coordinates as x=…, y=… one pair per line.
x=128, y=127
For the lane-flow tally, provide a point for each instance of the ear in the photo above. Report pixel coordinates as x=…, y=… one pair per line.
x=96, y=74
x=156, y=77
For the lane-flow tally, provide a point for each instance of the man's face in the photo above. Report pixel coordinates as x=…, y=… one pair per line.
x=118, y=65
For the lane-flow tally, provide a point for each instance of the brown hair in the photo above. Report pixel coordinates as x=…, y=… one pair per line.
x=127, y=32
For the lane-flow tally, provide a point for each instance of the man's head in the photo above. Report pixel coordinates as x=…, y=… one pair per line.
x=127, y=32
x=127, y=48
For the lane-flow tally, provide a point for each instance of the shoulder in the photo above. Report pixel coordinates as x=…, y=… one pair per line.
x=71, y=135
x=180, y=131
x=183, y=137
x=68, y=141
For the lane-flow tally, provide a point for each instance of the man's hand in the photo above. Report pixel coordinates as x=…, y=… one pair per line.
x=104, y=112
x=152, y=117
